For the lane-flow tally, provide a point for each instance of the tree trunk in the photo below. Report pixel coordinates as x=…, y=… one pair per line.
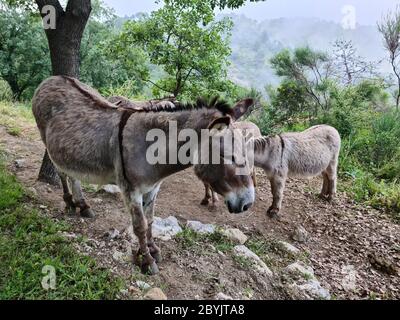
x=64, y=44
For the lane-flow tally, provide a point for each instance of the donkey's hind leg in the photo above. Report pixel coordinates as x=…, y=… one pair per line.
x=79, y=199
x=325, y=186
x=332, y=180
x=70, y=207
x=277, y=187
x=148, y=207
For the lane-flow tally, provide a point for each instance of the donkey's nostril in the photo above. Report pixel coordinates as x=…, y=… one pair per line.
x=247, y=206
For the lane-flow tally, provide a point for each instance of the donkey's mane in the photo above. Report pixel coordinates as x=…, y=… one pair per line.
x=201, y=103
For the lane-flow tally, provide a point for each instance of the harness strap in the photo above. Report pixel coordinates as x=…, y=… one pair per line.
x=126, y=113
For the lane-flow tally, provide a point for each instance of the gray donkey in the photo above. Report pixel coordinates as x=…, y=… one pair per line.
x=305, y=154
x=89, y=138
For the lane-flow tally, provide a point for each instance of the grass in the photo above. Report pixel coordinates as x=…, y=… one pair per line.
x=29, y=241
x=13, y=115
x=192, y=240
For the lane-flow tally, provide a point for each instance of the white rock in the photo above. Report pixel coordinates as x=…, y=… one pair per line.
x=308, y=285
x=200, y=227
x=259, y=265
x=155, y=294
x=235, y=235
x=111, y=188
x=298, y=268
x=112, y=233
x=349, y=281
x=223, y=296
x=289, y=247
x=19, y=163
x=165, y=229
x=300, y=234
x=143, y=285
x=120, y=257
x=313, y=289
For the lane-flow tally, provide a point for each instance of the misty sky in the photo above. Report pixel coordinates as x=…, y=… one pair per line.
x=368, y=12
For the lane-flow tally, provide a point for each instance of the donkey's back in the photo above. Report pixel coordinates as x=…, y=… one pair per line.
x=310, y=152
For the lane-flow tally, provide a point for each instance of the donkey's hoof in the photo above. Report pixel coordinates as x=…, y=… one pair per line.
x=87, y=213
x=204, y=202
x=71, y=211
x=273, y=213
x=149, y=268
x=157, y=256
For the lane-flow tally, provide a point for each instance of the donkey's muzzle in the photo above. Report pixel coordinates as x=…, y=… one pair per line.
x=242, y=207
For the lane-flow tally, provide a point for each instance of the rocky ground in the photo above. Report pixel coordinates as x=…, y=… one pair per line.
x=315, y=250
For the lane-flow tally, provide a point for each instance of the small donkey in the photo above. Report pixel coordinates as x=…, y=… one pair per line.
x=305, y=154
x=89, y=138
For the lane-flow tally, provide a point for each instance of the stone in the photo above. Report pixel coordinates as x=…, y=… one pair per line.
x=300, y=234
x=289, y=247
x=313, y=289
x=349, y=281
x=259, y=265
x=19, y=163
x=155, y=294
x=222, y=296
x=143, y=285
x=235, y=235
x=111, y=188
x=120, y=257
x=199, y=227
x=112, y=234
x=297, y=268
x=307, y=284
x=165, y=229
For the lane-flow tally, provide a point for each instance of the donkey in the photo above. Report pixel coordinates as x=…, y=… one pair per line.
x=305, y=154
x=88, y=138
x=250, y=130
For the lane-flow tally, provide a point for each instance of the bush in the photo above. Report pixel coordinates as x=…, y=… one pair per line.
x=5, y=91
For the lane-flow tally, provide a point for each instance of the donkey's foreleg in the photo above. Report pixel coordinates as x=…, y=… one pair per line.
x=79, y=199
x=142, y=257
x=70, y=207
x=148, y=205
x=207, y=195
x=277, y=187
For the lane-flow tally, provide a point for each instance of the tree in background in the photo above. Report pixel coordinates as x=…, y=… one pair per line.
x=389, y=27
x=310, y=71
x=24, y=57
x=350, y=68
x=184, y=39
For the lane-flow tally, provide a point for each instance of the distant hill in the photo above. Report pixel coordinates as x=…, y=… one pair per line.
x=254, y=43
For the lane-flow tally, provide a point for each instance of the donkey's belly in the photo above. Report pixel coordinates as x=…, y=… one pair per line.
x=81, y=151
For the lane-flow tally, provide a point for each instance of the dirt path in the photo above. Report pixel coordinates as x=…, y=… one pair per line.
x=346, y=240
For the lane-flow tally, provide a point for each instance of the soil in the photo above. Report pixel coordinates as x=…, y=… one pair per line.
x=343, y=235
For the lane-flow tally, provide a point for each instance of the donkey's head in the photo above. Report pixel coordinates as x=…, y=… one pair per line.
x=223, y=160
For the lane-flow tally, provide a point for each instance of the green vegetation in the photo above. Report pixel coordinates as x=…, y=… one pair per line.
x=29, y=241
x=189, y=239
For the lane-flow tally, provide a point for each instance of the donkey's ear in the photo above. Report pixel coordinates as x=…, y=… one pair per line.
x=242, y=107
x=220, y=123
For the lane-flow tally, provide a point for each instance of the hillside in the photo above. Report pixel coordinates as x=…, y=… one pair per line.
x=254, y=43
